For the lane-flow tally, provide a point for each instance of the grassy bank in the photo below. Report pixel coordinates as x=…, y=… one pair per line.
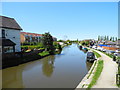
x=97, y=54
x=96, y=74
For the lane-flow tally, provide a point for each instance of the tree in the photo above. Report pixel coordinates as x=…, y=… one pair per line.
x=48, y=42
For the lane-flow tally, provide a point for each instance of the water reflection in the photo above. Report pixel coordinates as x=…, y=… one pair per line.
x=12, y=77
x=88, y=65
x=64, y=70
x=48, y=66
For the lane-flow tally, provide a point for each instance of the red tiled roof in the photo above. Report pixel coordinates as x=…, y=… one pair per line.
x=33, y=34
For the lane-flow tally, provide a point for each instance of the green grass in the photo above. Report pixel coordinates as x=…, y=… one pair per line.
x=92, y=70
x=96, y=74
x=97, y=54
x=44, y=53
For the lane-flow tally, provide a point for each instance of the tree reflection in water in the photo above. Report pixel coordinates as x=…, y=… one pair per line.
x=48, y=65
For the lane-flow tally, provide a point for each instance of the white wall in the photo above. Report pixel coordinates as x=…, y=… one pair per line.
x=13, y=35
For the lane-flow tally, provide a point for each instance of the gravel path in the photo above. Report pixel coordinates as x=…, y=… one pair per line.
x=107, y=78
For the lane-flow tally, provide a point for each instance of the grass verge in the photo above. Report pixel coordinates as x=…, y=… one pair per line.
x=44, y=53
x=96, y=74
x=97, y=54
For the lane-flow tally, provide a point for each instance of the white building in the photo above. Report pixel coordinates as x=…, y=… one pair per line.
x=10, y=34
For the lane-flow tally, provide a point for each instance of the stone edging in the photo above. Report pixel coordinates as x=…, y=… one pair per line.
x=86, y=81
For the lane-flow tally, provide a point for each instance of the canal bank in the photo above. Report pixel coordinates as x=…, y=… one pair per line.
x=64, y=70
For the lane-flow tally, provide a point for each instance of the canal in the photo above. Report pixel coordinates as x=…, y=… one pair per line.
x=65, y=70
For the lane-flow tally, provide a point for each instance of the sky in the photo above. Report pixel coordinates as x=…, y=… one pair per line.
x=65, y=20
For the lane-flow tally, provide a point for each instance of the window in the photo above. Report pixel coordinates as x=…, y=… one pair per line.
x=3, y=33
x=8, y=49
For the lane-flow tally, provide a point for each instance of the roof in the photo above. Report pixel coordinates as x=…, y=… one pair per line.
x=10, y=23
x=111, y=43
x=33, y=34
x=7, y=42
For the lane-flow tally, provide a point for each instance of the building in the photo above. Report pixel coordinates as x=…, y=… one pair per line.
x=27, y=37
x=109, y=45
x=9, y=35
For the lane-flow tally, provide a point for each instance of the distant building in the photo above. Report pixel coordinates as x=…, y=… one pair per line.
x=9, y=35
x=30, y=37
x=109, y=45
x=27, y=37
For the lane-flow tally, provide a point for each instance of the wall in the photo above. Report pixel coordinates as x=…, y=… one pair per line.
x=13, y=35
x=22, y=38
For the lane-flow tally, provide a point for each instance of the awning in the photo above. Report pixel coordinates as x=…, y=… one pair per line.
x=7, y=42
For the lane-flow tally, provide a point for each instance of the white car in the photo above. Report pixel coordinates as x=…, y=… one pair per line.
x=117, y=51
x=94, y=47
x=104, y=50
x=99, y=48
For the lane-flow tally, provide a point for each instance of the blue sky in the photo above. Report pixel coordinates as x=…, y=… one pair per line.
x=65, y=20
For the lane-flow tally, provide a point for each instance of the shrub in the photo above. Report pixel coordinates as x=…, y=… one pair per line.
x=44, y=53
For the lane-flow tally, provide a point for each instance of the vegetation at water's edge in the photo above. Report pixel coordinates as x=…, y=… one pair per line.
x=44, y=53
x=97, y=54
x=96, y=74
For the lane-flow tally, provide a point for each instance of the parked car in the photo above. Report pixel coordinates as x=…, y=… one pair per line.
x=110, y=52
x=94, y=47
x=90, y=56
x=104, y=50
x=99, y=48
x=117, y=51
x=116, y=54
x=90, y=46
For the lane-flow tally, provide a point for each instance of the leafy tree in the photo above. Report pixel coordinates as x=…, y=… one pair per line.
x=60, y=41
x=48, y=42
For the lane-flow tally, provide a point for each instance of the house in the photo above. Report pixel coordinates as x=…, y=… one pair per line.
x=9, y=35
x=27, y=37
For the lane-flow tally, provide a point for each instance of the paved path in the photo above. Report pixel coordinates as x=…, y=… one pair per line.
x=107, y=78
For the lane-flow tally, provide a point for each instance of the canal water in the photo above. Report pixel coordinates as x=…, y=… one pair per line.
x=65, y=70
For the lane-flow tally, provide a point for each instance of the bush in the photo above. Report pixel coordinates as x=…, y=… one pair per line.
x=44, y=53
x=26, y=47
x=57, y=45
